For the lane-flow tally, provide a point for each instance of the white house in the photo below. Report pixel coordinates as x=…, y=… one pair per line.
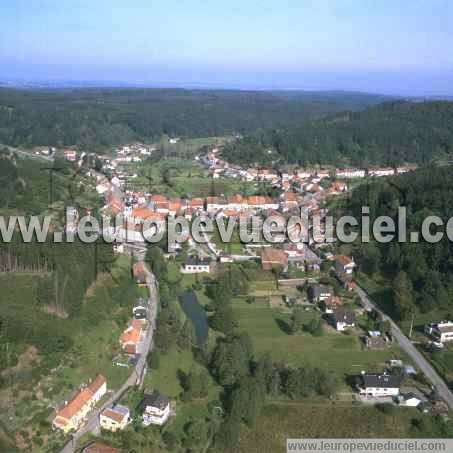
x=343, y=319
x=194, y=265
x=379, y=385
x=409, y=400
x=155, y=409
x=350, y=173
x=441, y=331
x=114, y=418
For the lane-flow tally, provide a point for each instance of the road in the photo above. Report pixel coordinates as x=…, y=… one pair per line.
x=405, y=344
x=92, y=424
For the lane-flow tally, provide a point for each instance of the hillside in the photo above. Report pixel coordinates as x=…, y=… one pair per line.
x=389, y=133
x=421, y=272
x=98, y=118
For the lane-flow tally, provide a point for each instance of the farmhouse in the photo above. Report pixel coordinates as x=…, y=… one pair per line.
x=130, y=338
x=331, y=304
x=115, y=418
x=72, y=414
x=379, y=385
x=155, y=409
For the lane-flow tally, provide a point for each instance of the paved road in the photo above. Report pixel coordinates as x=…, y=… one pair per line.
x=92, y=425
x=404, y=342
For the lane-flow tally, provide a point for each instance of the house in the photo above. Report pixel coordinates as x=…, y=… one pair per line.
x=98, y=447
x=379, y=385
x=441, y=331
x=197, y=204
x=155, y=409
x=196, y=265
x=139, y=273
x=159, y=202
x=331, y=304
x=343, y=319
x=236, y=202
x=130, y=338
x=289, y=200
x=114, y=418
x=318, y=293
x=72, y=414
x=350, y=173
x=381, y=171
x=70, y=154
x=344, y=265
x=261, y=202
x=140, y=309
x=302, y=256
x=375, y=342
x=215, y=203
x=273, y=259
x=409, y=400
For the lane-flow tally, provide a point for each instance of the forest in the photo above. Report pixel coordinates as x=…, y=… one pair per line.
x=94, y=119
x=389, y=133
x=420, y=273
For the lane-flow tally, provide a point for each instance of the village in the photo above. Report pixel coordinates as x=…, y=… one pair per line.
x=309, y=278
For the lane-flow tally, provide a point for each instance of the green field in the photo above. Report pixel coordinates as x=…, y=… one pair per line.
x=281, y=421
x=268, y=329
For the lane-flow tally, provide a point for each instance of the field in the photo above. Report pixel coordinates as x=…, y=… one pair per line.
x=279, y=422
x=268, y=328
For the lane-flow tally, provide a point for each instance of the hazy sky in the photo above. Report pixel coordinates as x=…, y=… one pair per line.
x=387, y=46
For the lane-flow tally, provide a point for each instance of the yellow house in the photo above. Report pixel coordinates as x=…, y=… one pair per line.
x=72, y=414
x=115, y=418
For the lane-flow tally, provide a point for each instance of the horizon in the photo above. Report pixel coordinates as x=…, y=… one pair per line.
x=396, y=50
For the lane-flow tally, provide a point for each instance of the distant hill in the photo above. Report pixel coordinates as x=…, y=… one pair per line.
x=389, y=133
x=100, y=117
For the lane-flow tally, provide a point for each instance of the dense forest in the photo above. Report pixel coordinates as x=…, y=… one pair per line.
x=421, y=273
x=390, y=133
x=97, y=118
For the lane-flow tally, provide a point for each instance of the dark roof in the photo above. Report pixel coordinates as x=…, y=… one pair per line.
x=197, y=261
x=154, y=400
x=342, y=315
x=317, y=290
x=381, y=380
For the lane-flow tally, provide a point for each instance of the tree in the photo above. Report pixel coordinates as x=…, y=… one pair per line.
x=247, y=400
x=195, y=385
x=314, y=327
x=402, y=295
x=186, y=336
x=297, y=321
x=224, y=319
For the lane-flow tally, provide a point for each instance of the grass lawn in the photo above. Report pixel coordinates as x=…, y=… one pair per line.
x=336, y=351
x=279, y=422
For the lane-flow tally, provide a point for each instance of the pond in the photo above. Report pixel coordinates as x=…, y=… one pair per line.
x=196, y=313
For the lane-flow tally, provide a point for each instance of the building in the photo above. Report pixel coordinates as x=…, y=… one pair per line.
x=72, y=414
x=273, y=259
x=381, y=171
x=343, y=319
x=318, y=293
x=139, y=273
x=130, y=338
x=196, y=265
x=344, y=265
x=70, y=154
x=441, y=331
x=409, y=400
x=331, y=304
x=140, y=309
x=379, y=385
x=350, y=173
x=155, y=409
x=114, y=418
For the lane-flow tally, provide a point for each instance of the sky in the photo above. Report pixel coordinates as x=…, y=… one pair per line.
x=382, y=46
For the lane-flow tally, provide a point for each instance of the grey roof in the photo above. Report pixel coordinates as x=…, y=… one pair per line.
x=197, y=261
x=346, y=316
x=381, y=380
x=317, y=290
x=154, y=400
